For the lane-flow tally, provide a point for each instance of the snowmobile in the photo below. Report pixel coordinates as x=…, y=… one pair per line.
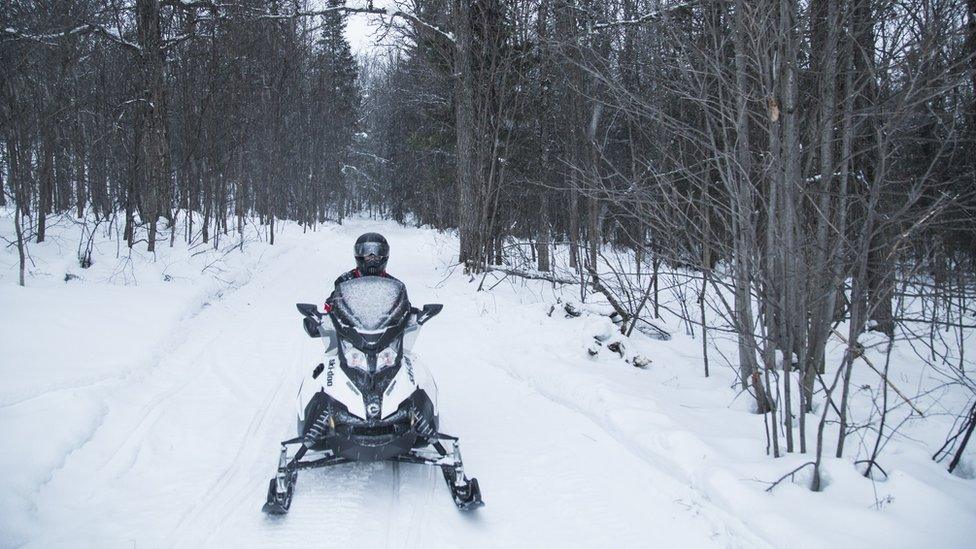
x=369, y=399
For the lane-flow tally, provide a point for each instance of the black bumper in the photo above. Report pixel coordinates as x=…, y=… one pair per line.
x=358, y=439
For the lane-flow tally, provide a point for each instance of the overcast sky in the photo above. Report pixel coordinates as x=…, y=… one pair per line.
x=364, y=30
x=359, y=31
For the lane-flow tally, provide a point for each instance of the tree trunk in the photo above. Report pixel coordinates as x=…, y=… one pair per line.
x=742, y=196
x=46, y=181
x=573, y=223
x=154, y=149
x=962, y=445
x=545, y=239
x=881, y=284
x=706, y=267
x=795, y=310
x=655, y=270
x=593, y=231
x=98, y=180
x=879, y=281
x=469, y=173
x=18, y=181
x=207, y=179
x=971, y=38
x=62, y=172
x=20, y=245
x=80, y=159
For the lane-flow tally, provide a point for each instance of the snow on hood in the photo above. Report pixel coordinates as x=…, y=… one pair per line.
x=372, y=302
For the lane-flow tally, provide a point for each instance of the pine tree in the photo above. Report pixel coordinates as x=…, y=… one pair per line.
x=338, y=103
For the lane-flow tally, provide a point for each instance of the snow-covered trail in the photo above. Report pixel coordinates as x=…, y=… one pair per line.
x=182, y=450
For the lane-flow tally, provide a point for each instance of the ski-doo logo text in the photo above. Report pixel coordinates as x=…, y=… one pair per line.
x=329, y=373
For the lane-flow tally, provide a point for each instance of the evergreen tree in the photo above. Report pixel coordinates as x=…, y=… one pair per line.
x=338, y=104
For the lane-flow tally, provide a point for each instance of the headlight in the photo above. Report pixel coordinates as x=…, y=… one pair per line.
x=387, y=357
x=354, y=357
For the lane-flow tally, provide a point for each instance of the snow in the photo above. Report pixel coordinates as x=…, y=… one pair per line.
x=143, y=403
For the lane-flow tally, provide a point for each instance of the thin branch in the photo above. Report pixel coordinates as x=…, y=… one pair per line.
x=81, y=29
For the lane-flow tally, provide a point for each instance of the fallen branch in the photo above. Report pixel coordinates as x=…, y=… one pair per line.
x=533, y=275
x=651, y=330
x=644, y=326
x=617, y=306
x=884, y=377
x=788, y=475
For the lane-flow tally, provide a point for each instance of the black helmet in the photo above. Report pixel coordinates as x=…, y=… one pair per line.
x=371, y=252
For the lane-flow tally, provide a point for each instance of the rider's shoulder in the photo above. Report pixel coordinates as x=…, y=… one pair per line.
x=348, y=275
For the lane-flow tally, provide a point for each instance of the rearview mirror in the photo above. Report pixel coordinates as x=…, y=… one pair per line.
x=429, y=311
x=308, y=310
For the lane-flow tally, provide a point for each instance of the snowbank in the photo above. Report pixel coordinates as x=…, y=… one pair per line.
x=702, y=432
x=72, y=336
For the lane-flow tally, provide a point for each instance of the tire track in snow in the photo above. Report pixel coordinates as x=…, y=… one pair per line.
x=175, y=339
x=149, y=415
x=181, y=334
x=344, y=494
x=185, y=360
x=215, y=492
x=392, y=526
x=237, y=485
x=415, y=522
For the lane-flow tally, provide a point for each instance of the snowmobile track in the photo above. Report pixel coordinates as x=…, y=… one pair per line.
x=216, y=497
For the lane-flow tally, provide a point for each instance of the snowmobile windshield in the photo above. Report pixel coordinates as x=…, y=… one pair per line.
x=372, y=303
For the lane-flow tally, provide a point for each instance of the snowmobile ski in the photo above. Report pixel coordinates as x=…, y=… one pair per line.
x=282, y=487
x=466, y=492
x=467, y=495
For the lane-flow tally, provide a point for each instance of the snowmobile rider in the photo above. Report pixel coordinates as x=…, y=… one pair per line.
x=371, y=251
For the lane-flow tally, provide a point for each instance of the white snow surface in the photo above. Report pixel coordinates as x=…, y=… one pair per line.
x=142, y=405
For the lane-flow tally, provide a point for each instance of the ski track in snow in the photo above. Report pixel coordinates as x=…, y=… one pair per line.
x=183, y=450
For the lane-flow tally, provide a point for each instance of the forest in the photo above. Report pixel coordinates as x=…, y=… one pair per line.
x=799, y=172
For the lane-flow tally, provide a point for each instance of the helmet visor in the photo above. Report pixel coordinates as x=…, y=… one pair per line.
x=378, y=249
